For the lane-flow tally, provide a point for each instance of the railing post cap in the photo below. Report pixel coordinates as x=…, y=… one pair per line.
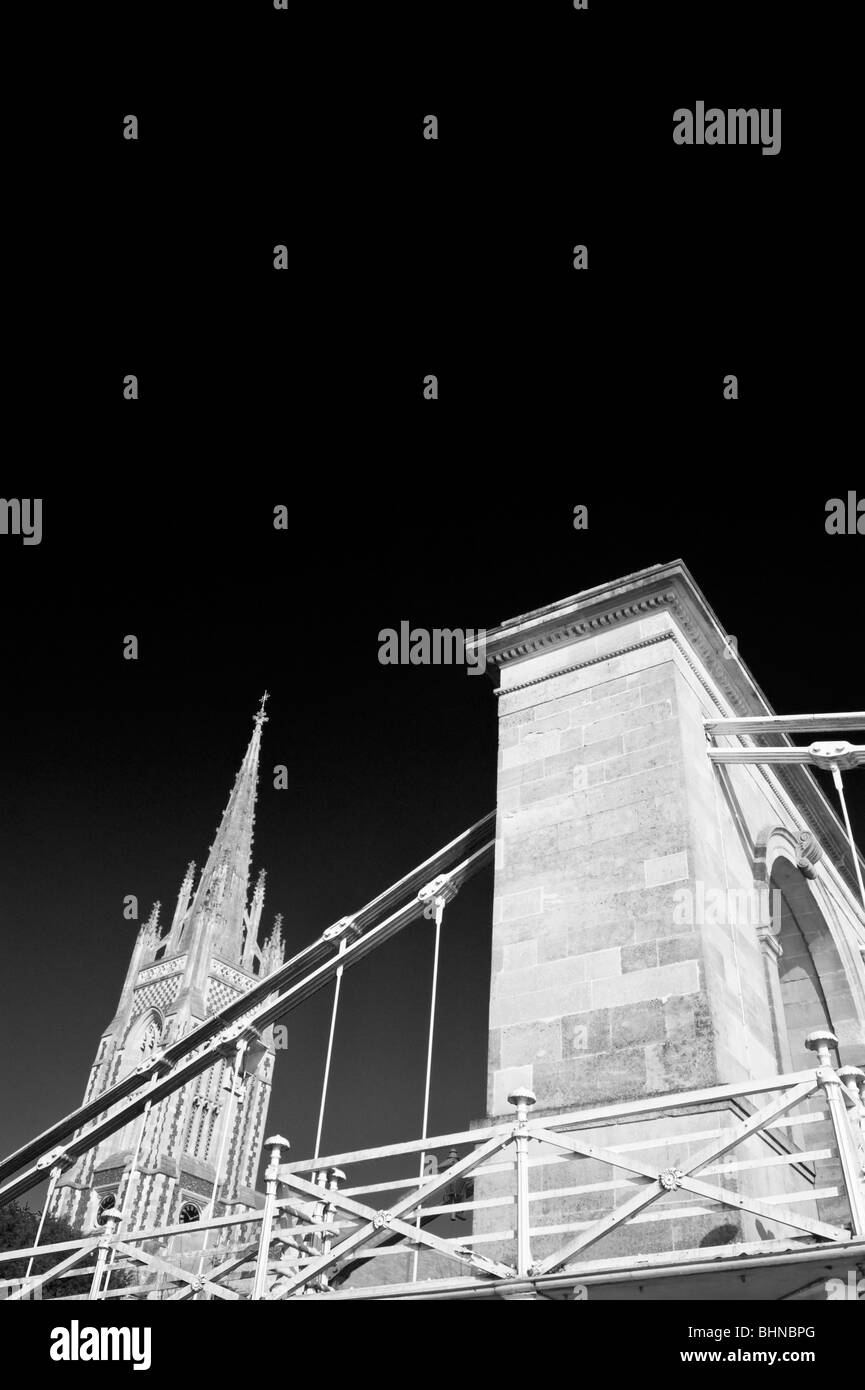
x=277, y=1140
x=335, y=1175
x=522, y=1096
x=821, y=1037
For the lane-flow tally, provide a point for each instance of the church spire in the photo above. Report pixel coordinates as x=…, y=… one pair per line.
x=222, y=888
x=209, y=957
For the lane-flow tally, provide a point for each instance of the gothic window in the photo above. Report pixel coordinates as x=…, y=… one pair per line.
x=187, y=1138
x=196, y=1122
x=149, y=1040
x=211, y=1121
x=189, y=1212
x=142, y=1041
x=106, y=1203
x=203, y=1111
x=202, y=1121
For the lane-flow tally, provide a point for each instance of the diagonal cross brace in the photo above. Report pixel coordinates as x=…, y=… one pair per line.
x=376, y=1226
x=38, y=1280
x=758, y=1208
x=695, y=1185
x=166, y=1267
x=237, y=1259
x=578, y=1147
x=654, y=1189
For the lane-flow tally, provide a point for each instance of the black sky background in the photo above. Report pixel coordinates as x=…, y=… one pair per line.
x=304, y=388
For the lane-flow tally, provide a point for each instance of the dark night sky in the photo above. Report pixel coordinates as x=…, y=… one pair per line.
x=303, y=388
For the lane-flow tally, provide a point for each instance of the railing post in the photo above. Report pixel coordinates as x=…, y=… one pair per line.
x=105, y=1244
x=822, y=1042
x=334, y=1177
x=854, y=1080
x=452, y=1194
x=523, y=1100
x=435, y=895
x=319, y=1209
x=276, y=1143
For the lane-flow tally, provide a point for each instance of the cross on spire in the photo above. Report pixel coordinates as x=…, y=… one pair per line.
x=261, y=717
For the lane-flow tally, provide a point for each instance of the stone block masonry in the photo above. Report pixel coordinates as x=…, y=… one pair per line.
x=590, y=1000
x=607, y=808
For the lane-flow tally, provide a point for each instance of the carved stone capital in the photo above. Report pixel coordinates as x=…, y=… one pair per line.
x=810, y=853
x=770, y=942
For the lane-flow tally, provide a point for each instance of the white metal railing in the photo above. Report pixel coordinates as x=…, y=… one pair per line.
x=315, y=1230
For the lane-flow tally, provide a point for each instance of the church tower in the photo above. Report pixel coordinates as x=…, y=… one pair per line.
x=201, y=1145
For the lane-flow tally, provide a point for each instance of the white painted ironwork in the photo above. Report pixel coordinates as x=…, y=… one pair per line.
x=323, y=1231
x=786, y=724
x=823, y=755
x=325, y=1080
x=434, y=897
